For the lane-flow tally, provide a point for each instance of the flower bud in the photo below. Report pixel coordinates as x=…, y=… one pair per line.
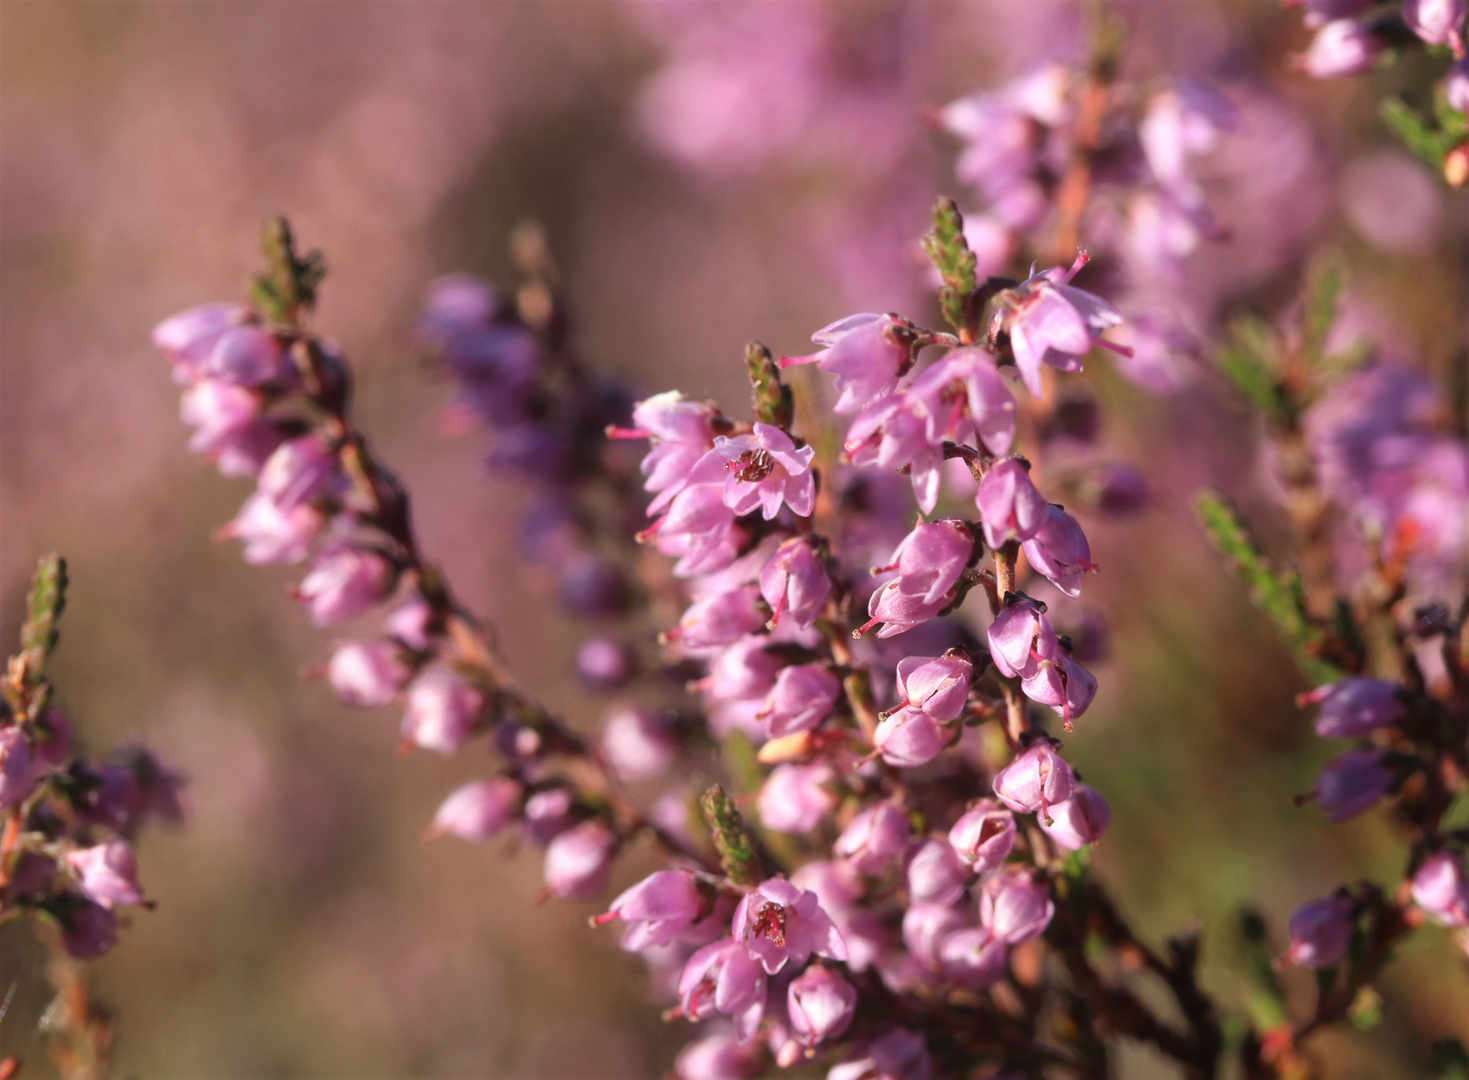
x=974, y=958
x=297, y=471
x=1341, y=47
x=720, y=619
x=802, y=697
x=604, y=664
x=983, y=836
x=875, y=837
x=1010, y=507
x=1035, y=781
x=1321, y=930
x=821, y=1004
x=478, y=810
x=579, y=860
x=17, y=770
x=1438, y=22
x=442, y=711
x=899, y=1054
x=410, y=622
x=547, y=815
x=1080, y=820
x=910, y=737
x=366, y=674
x=1015, y=907
x=1063, y=684
x=1355, y=706
x=344, y=582
x=187, y=339
x=927, y=926
x=107, y=872
x=638, y=743
x=931, y=559
x=898, y=611
x=935, y=874
x=272, y=535
x=1353, y=783
x=719, y=1057
x=657, y=909
x=87, y=928
x=1020, y=636
x=1441, y=889
x=246, y=356
x=795, y=582
x=1059, y=552
x=937, y=685
x=795, y=799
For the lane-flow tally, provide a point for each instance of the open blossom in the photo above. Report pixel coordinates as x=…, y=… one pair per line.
x=220, y=413
x=1061, y=682
x=366, y=674
x=898, y=611
x=1056, y=323
x=781, y=924
x=1010, y=507
x=579, y=860
x=875, y=837
x=931, y=559
x=273, y=535
x=795, y=798
x=794, y=582
x=1035, y=781
x=658, y=909
x=682, y=432
x=802, y=697
x=1340, y=47
x=1353, y=783
x=1441, y=888
x=1355, y=706
x=344, y=581
x=1020, y=636
x=983, y=836
x=1015, y=906
x=821, y=1004
x=965, y=399
x=724, y=977
x=1321, y=930
x=442, y=710
x=1080, y=820
x=699, y=530
x=867, y=353
x=478, y=810
x=760, y=471
x=107, y=872
x=894, y=433
x=1059, y=551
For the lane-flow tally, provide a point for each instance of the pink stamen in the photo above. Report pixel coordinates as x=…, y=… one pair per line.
x=796, y=361
x=615, y=432
x=1082, y=258
x=1112, y=346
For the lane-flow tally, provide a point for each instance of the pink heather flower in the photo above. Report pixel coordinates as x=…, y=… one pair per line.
x=899, y=1054
x=720, y=1056
x=1340, y=47
x=187, y=339
x=1059, y=552
x=720, y=619
x=366, y=674
x=1035, y=781
x=760, y=471
x=298, y=471
x=936, y=685
x=547, y=815
x=273, y=535
x=1015, y=906
x=1441, y=889
x=1353, y=783
x=1355, y=706
x=875, y=837
x=983, y=836
x=837, y=885
x=724, y=977
x=974, y=957
x=1321, y=930
x=605, y=664
x=52, y=748
x=17, y=770
x=1317, y=12
x=1020, y=636
x=1438, y=22
x=893, y=432
x=1080, y=820
x=898, y=611
x=802, y=697
x=1456, y=86
x=411, y=623
x=107, y=872
x=682, y=432
x=637, y=743
x=821, y=1004
x=1061, y=682
x=245, y=355
x=867, y=354
x=931, y=559
x=220, y=413
x=743, y=671
x=965, y=400
x=795, y=798
x=927, y=926
x=698, y=530
x=442, y=711
x=1010, y=507
x=578, y=861
x=781, y=924
x=1183, y=121
x=344, y=581
x=87, y=928
x=909, y=737
x=936, y=875
x=658, y=909
x=1056, y=323
x=478, y=810
x=795, y=582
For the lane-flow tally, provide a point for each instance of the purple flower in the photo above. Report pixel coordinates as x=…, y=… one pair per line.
x=187, y=339
x=1035, y=781
x=17, y=769
x=1340, y=47
x=245, y=355
x=760, y=471
x=893, y=433
x=1355, y=706
x=411, y=622
x=344, y=581
x=867, y=353
x=821, y=1004
x=781, y=924
x=927, y=926
x=366, y=674
x=478, y=810
x=298, y=471
x=795, y=581
x=1456, y=85
x=1321, y=930
x=1056, y=323
x=965, y=400
x=874, y=838
x=1441, y=888
x=795, y=798
x=1010, y=507
x=909, y=737
x=698, y=530
x=1062, y=683
x=983, y=836
x=682, y=432
x=931, y=559
x=898, y=611
x=107, y=872
x=221, y=414
x=658, y=909
x=936, y=685
x=1015, y=906
x=1080, y=820
x=87, y=928
x=899, y=1054
x=638, y=743
x=802, y=697
x=1438, y=22
x=547, y=815
x=442, y=711
x=936, y=875
x=1020, y=637
x=604, y=664
x=1353, y=783
x=1059, y=552
x=974, y=957
x=724, y=977
x=720, y=1056
x=743, y=671
x=578, y=861
x=271, y=535
x=720, y=619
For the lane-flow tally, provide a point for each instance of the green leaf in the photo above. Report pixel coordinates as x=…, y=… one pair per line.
x=44, y=605
x=1415, y=132
x=1278, y=593
x=727, y=829
x=1250, y=362
x=949, y=252
x=1323, y=294
x=290, y=280
x=770, y=398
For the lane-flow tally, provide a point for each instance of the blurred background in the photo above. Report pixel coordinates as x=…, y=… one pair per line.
x=303, y=928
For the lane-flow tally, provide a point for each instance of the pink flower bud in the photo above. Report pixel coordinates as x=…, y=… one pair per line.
x=795, y=582
x=1355, y=706
x=658, y=909
x=188, y=338
x=779, y=924
x=443, y=710
x=719, y=1057
x=1353, y=783
x=547, y=815
x=1015, y=906
x=875, y=837
x=931, y=559
x=898, y=611
x=1010, y=507
x=344, y=582
x=366, y=674
x=899, y=1054
x=1062, y=683
x=821, y=1004
x=579, y=860
x=107, y=872
x=802, y=697
x=604, y=664
x=1035, y=781
x=478, y=810
x=1059, y=552
x=719, y=619
x=865, y=352
x=245, y=355
x=927, y=926
x=1080, y=820
x=937, y=685
x=795, y=798
x=1321, y=930
x=1020, y=636
x=1438, y=22
x=974, y=957
x=983, y=836
x=1441, y=889
x=17, y=769
x=272, y=535
x=87, y=928
x=935, y=874
x=1340, y=47
x=410, y=622
x=220, y=413
x=724, y=977
x=909, y=737
x=298, y=471
x=638, y=743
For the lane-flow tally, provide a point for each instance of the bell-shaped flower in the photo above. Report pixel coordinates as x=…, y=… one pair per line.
x=1438, y=22
x=1010, y=507
x=898, y=1054
x=720, y=1056
x=1441, y=888
x=1015, y=906
x=1056, y=323
x=927, y=926
x=1080, y=820
x=720, y=619
x=478, y=810
x=88, y=929
x=802, y=697
x=17, y=766
x=221, y=414
x=936, y=875
x=965, y=400
x=1340, y=47
x=547, y=814
x=893, y=433
x=795, y=798
x=742, y=671
x=1353, y=783
x=1059, y=552
x=270, y=534
x=781, y=924
x=298, y=471
x=188, y=339
x=107, y=872
x=1321, y=930
x=658, y=909
x=897, y=611
x=909, y=737
x=760, y=471
x=579, y=860
x=936, y=685
x=821, y=1004
x=974, y=957
x=698, y=530
x=245, y=355
x=794, y=582
x=682, y=432
x=344, y=581
x=1020, y=637
x=983, y=836
x=867, y=353
x=1060, y=681
x=365, y=674
x=1355, y=706
x=638, y=743
x=442, y=710
x=874, y=838
x=931, y=559
x=1036, y=780
x=724, y=977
